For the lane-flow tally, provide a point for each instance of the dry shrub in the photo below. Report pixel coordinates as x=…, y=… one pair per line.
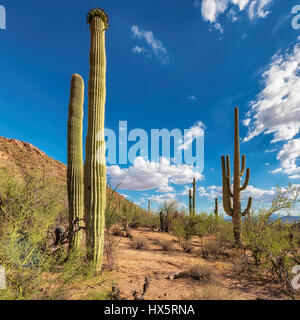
x=215, y=250
x=199, y=273
x=216, y=292
x=117, y=232
x=111, y=246
x=166, y=245
x=186, y=246
x=139, y=243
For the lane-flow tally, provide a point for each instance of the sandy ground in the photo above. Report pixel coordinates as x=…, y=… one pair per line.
x=133, y=265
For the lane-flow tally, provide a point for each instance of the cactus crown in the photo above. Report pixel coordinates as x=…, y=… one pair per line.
x=98, y=12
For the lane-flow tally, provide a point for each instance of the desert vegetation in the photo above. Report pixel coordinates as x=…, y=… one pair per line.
x=81, y=240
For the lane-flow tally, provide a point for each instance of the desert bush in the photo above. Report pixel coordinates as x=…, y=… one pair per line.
x=27, y=211
x=186, y=246
x=273, y=253
x=111, y=247
x=168, y=211
x=216, y=292
x=166, y=245
x=139, y=243
x=197, y=272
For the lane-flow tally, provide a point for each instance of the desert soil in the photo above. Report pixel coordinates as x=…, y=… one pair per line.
x=133, y=265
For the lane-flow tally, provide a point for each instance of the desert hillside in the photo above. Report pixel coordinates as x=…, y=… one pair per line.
x=22, y=158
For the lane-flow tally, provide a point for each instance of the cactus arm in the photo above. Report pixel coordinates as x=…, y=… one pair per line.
x=229, y=186
x=227, y=205
x=245, y=185
x=247, y=210
x=228, y=173
x=243, y=165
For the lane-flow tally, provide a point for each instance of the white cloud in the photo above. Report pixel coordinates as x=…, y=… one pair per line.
x=218, y=27
x=146, y=175
x=163, y=197
x=194, y=132
x=212, y=9
x=241, y=3
x=288, y=156
x=155, y=45
x=276, y=110
x=296, y=176
x=139, y=50
x=258, y=8
x=193, y=98
x=210, y=193
x=257, y=194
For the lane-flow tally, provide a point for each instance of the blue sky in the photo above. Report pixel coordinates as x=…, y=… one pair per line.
x=170, y=64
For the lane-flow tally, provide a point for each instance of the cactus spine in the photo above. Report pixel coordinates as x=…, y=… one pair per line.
x=190, y=201
x=194, y=196
x=216, y=207
x=75, y=162
x=235, y=210
x=94, y=166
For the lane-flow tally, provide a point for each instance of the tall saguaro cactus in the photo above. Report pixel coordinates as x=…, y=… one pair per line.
x=94, y=166
x=75, y=162
x=149, y=206
x=234, y=210
x=194, y=196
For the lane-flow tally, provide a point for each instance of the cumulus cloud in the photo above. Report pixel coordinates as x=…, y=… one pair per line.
x=288, y=156
x=212, y=9
x=155, y=45
x=257, y=194
x=276, y=110
x=167, y=197
x=146, y=175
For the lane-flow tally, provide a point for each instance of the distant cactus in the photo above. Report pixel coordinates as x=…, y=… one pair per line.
x=216, y=207
x=94, y=166
x=190, y=201
x=149, y=207
x=194, y=196
x=235, y=210
x=75, y=161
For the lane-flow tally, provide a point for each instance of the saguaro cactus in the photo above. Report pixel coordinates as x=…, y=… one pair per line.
x=94, y=166
x=216, y=207
x=194, y=196
x=190, y=201
x=149, y=207
x=75, y=162
x=235, y=210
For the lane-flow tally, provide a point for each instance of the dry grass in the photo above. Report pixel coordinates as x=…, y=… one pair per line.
x=186, y=246
x=166, y=245
x=216, y=292
x=139, y=243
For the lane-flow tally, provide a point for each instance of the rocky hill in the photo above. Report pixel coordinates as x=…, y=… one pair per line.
x=22, y=158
